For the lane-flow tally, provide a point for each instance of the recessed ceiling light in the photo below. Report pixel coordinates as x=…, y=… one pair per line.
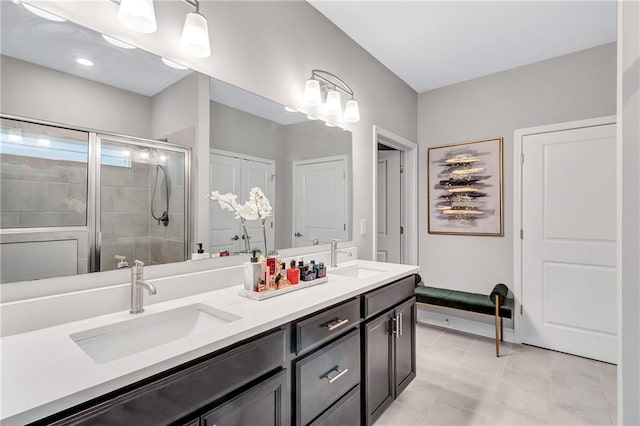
x=289, y=109
x=41, y=13
x=117, y=42
x=85, y=62
x=311, y=117
x=175, y=65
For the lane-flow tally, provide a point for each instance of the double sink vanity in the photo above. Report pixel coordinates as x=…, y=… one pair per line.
x=336, y=353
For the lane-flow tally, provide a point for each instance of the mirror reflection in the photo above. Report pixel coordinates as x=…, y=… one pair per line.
x=96, y=157
x=301, y=165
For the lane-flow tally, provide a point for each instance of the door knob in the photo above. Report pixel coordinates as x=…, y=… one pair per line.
x=235, y=238
x=297, y=234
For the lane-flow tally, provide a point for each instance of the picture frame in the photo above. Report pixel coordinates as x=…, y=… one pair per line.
x=465, y=188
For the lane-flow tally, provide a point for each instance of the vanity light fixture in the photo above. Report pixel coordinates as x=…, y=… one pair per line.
x=43, y=14
x=328, y=84
x=195, y=33
x=84, y=62
x=117, y=42
x=138, y=15
x=172, y=64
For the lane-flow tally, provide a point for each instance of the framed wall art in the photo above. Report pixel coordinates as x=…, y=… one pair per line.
x=465, y=188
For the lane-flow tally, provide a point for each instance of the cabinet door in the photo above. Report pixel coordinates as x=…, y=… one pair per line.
x=405, y=346
x=262, y=405
x=378, y=361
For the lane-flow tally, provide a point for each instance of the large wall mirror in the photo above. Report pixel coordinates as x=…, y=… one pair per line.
x=96, y=156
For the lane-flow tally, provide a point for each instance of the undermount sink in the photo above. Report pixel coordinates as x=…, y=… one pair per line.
x=111, y=342
x=356, y=271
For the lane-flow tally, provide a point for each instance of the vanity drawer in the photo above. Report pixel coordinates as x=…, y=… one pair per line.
x=167, y=399
x=325, y=376
x=321, y=327
x=388, y=296
x=345, y=412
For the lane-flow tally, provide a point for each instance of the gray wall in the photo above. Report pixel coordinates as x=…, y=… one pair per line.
x=572, y=87
x=270, y=48
x=37, y=92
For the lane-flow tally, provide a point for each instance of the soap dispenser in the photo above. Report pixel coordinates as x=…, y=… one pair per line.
x=200, y=254
x=253, y=272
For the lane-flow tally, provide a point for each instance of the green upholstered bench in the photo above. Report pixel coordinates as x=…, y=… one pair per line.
x=497, y=303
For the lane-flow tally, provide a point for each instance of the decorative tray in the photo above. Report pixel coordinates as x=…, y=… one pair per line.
x=273, y=293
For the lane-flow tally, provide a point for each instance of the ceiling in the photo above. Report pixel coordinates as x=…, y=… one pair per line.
x=431, y=44
x=57, y=45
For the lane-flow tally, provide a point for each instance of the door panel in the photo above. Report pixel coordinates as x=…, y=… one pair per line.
x=388, y=207
x=405, y=347
x=224, y=175
x=378, y=366
x=319, y=200
x=569, y=245
x=261, y=175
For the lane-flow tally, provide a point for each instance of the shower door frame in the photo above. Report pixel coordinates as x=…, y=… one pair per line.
x=95, y=240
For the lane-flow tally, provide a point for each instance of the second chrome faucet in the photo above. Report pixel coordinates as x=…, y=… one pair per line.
x=137, y=284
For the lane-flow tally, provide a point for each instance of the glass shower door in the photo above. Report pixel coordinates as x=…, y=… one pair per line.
x=143, y=202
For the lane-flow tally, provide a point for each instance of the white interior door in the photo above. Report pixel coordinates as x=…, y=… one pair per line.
x=388, y=207
x=224, y=229
x=235, y=173
x=569, y=244
x=319, y=201
x=259, y=174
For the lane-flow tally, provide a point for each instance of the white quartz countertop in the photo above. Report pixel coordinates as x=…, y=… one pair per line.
x=45, y=371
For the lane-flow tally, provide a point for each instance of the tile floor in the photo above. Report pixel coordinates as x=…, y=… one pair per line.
x=461, y=382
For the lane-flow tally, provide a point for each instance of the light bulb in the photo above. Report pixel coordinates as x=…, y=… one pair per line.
x=117, y=42
x=334, y=104
x=43, y=14
x=195, y=36
x=351, y=111
x=312, y=93
x=138, y=15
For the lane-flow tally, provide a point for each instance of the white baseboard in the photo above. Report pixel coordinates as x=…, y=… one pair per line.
x=466, y=322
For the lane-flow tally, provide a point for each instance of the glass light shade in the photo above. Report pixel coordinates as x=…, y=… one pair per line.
x=42, y=13
x=351, y=111
x=195, y=36
x=138, y=15
x=312, y=93
x=334, y=103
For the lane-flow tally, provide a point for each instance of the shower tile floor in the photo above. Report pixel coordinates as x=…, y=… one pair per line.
x=461, y=382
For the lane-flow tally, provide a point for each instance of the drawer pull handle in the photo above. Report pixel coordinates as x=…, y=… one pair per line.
x=337, y=376
x=336, y=323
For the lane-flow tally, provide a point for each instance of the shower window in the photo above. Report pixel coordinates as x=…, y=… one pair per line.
x=43, y=180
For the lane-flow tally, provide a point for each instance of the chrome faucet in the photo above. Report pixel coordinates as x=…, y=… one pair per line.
x=335, y=251
x=137, y=284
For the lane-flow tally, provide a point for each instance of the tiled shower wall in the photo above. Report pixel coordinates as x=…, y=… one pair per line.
x=36, y=192
x=127, y=226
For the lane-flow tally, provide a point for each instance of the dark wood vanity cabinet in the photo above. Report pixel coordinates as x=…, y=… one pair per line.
x=264, y=404
x=340, y=366
x=389, y=346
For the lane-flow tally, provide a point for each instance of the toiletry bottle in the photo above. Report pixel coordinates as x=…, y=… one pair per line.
x=271, y=263
x=293, y=273
x=284, y=282
x=252, y=273
x=200, y=254
x=322, y=270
